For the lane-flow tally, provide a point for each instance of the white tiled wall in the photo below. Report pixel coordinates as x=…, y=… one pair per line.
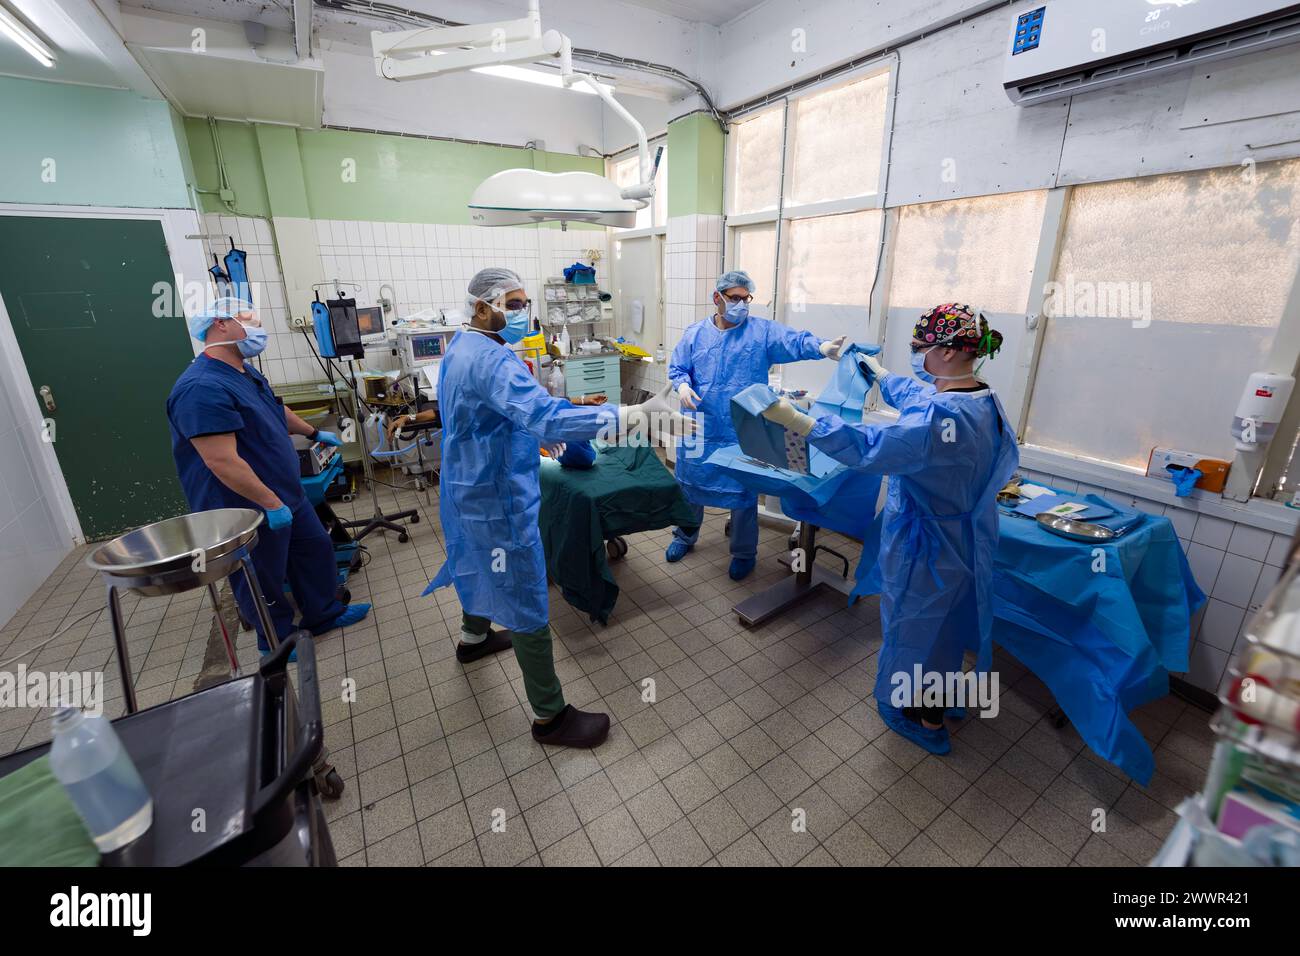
x=694, y=263
x=426, y=265
x=1236, y=565
x=287, y=357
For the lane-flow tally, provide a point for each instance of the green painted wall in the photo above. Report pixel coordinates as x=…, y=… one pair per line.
x=695, y=170
x=339, y=174
x=242, y=156
x=109, y=147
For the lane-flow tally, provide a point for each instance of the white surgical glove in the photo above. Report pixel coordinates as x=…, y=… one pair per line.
x=783, y=412
x=655, y=411
x=690, y=401
x=877, y=370
x=833, y=348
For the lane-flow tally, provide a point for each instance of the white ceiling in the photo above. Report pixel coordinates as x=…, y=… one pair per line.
x=716, y=12
x=277, y=14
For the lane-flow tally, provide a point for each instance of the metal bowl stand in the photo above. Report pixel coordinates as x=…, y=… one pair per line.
x=179, y=580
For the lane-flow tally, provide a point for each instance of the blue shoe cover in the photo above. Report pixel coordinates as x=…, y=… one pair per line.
x=676, y=551
x=741, y=568
x=935, y=741
x=351, y=615
x=264, y=650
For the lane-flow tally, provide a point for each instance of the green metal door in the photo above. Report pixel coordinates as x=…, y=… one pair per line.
x=80, y=294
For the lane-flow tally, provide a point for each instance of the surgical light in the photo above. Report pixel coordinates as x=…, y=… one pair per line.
x=522, y=196
x=21, y=34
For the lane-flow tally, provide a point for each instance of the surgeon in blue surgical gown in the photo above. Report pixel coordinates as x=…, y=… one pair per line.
x=716, y=359
x=947, y=456
x=495, y=417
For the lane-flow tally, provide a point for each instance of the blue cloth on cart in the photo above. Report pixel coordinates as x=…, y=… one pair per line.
x=831, y=495
x=758, y=437
x=1101, y=624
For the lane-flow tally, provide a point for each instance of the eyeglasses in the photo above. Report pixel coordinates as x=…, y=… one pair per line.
x=921, y=346
x=737, y=299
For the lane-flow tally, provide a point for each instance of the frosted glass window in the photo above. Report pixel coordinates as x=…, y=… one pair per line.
x=836, y=138
x=830, y=264
x=978, y=250
x=755, y=253
x=626, y=172
x=1170, y=290
x=755, y=158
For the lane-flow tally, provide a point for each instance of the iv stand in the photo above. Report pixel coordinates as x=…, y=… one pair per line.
x=377, y=521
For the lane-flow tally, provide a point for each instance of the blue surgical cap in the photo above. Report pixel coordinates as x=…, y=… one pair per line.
x=227, y=307
x=729, y=280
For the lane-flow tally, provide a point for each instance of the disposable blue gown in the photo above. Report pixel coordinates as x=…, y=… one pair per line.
x=719, y=365
x=494, y=417
x=946, y=456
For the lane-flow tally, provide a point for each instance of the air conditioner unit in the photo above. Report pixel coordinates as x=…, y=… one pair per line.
x=1064, y=47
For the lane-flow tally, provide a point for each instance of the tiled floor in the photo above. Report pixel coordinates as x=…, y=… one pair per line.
x=748, y=729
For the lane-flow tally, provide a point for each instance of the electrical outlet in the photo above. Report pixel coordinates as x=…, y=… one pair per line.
x=297, y=322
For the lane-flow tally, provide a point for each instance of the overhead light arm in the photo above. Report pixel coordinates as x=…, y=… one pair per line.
x=435, y=51
x=645, y=189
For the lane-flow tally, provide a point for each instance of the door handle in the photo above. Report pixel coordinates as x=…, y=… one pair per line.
x=47, y=396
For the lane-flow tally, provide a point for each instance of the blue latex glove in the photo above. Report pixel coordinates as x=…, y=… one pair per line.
x=281, y=517
x=1184, y=479
x=578, y=454
x=328, y=438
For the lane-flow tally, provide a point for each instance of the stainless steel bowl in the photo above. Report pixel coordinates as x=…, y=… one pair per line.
x=164, y=557
x=1075, y=530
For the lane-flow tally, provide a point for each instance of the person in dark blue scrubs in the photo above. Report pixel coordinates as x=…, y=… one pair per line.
x=230, y=439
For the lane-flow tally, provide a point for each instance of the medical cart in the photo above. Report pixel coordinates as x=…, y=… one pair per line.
x=242, y=751
x=181, y=554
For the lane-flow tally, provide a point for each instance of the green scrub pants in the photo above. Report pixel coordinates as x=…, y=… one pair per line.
x=536, y=661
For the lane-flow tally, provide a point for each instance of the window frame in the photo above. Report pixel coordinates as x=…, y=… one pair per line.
x=652, y=144
x=784, y=214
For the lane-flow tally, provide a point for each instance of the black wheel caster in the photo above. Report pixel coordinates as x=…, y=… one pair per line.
x=403, y=537
x=616, y=548
x=415, y=519
x=330, y=784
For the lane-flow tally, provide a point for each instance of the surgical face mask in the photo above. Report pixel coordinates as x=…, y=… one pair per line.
x=918, y=369
x=737, y=312
x=254, y=341
x=252, y=344
x=518, y=325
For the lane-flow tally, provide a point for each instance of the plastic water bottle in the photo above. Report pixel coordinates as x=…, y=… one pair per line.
x=87, y=757
x=555, y=383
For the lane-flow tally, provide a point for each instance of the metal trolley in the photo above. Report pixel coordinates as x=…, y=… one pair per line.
x=181, y=554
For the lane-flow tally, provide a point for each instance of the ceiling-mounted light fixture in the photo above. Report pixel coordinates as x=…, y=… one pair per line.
x=554, y=80
x=520, y=196
x=23, y=35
